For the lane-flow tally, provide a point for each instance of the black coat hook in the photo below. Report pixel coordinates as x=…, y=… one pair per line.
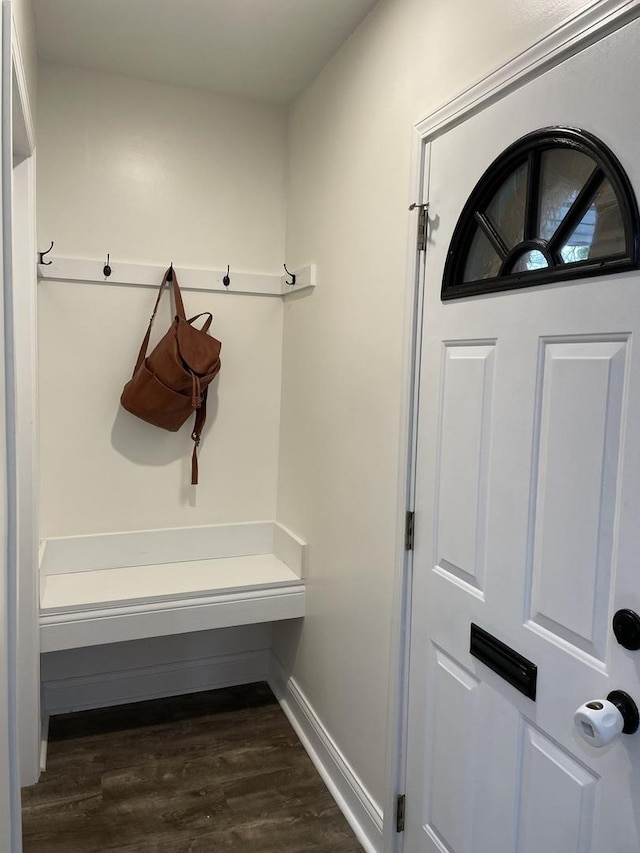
x=42, y=254
x=293, y=276
x=106, y=269
x=226, y=280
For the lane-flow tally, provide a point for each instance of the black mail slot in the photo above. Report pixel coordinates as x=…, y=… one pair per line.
x=510, y=665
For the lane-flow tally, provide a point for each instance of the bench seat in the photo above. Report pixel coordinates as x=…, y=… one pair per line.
x=107, y=605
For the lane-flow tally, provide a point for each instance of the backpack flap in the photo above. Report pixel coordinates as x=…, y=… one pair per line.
x=199, y=350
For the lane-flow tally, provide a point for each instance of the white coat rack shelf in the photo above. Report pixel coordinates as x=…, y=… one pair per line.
x=150, y=275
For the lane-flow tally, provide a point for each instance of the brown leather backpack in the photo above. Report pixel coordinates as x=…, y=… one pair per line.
x=172, y=383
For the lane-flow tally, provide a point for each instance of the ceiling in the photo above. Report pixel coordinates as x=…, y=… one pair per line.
x=265, y=49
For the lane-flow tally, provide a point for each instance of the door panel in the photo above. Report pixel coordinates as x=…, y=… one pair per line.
x=575, y=476
x=465, y=429
x=466, y=717
x=557, y=798
x=454, y=711
x=527, y=512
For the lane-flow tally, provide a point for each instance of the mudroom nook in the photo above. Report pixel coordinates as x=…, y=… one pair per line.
x=174, y=558
x=318, y=402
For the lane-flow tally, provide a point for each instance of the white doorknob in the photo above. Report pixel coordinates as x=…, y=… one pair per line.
x=601, y=721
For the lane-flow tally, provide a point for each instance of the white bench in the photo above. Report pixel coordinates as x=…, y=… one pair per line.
x=113, y=587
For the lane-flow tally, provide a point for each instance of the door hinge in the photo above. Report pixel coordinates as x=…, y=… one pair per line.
x=400, y=813
x=423, y=224
x=408, y=530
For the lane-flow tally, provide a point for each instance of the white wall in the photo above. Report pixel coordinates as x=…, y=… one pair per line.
x=152, y=173
x=350, y=141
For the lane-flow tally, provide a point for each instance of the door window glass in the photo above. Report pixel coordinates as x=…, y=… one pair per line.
x=563, y=173
x=531, y=260
x=506, y=210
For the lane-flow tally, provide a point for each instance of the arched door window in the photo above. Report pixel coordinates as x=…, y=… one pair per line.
x=555, y=205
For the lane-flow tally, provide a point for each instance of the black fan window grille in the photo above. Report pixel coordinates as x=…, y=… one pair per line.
x=555, y=205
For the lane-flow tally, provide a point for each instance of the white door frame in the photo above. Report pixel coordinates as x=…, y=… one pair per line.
x=20, y=234
x=9, y=783
x=11, y=465
x=20, y=381
x=568, y=38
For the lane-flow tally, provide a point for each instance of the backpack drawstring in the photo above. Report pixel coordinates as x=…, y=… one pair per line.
x=196, y=394
x=201, y=416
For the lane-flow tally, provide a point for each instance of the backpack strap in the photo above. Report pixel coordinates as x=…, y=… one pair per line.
x=201, y=417
x=171, y=277
x=207, y=323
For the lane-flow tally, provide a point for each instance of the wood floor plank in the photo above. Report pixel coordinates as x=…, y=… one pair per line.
x=212, y=771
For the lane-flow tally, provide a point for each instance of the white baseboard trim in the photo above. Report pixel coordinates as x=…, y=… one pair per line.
x=82, y=693
x=361, y=811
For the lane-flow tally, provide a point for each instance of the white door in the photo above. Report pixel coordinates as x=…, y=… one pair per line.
x=527, y=511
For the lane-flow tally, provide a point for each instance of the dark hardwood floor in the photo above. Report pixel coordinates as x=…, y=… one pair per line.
x=212, y=771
